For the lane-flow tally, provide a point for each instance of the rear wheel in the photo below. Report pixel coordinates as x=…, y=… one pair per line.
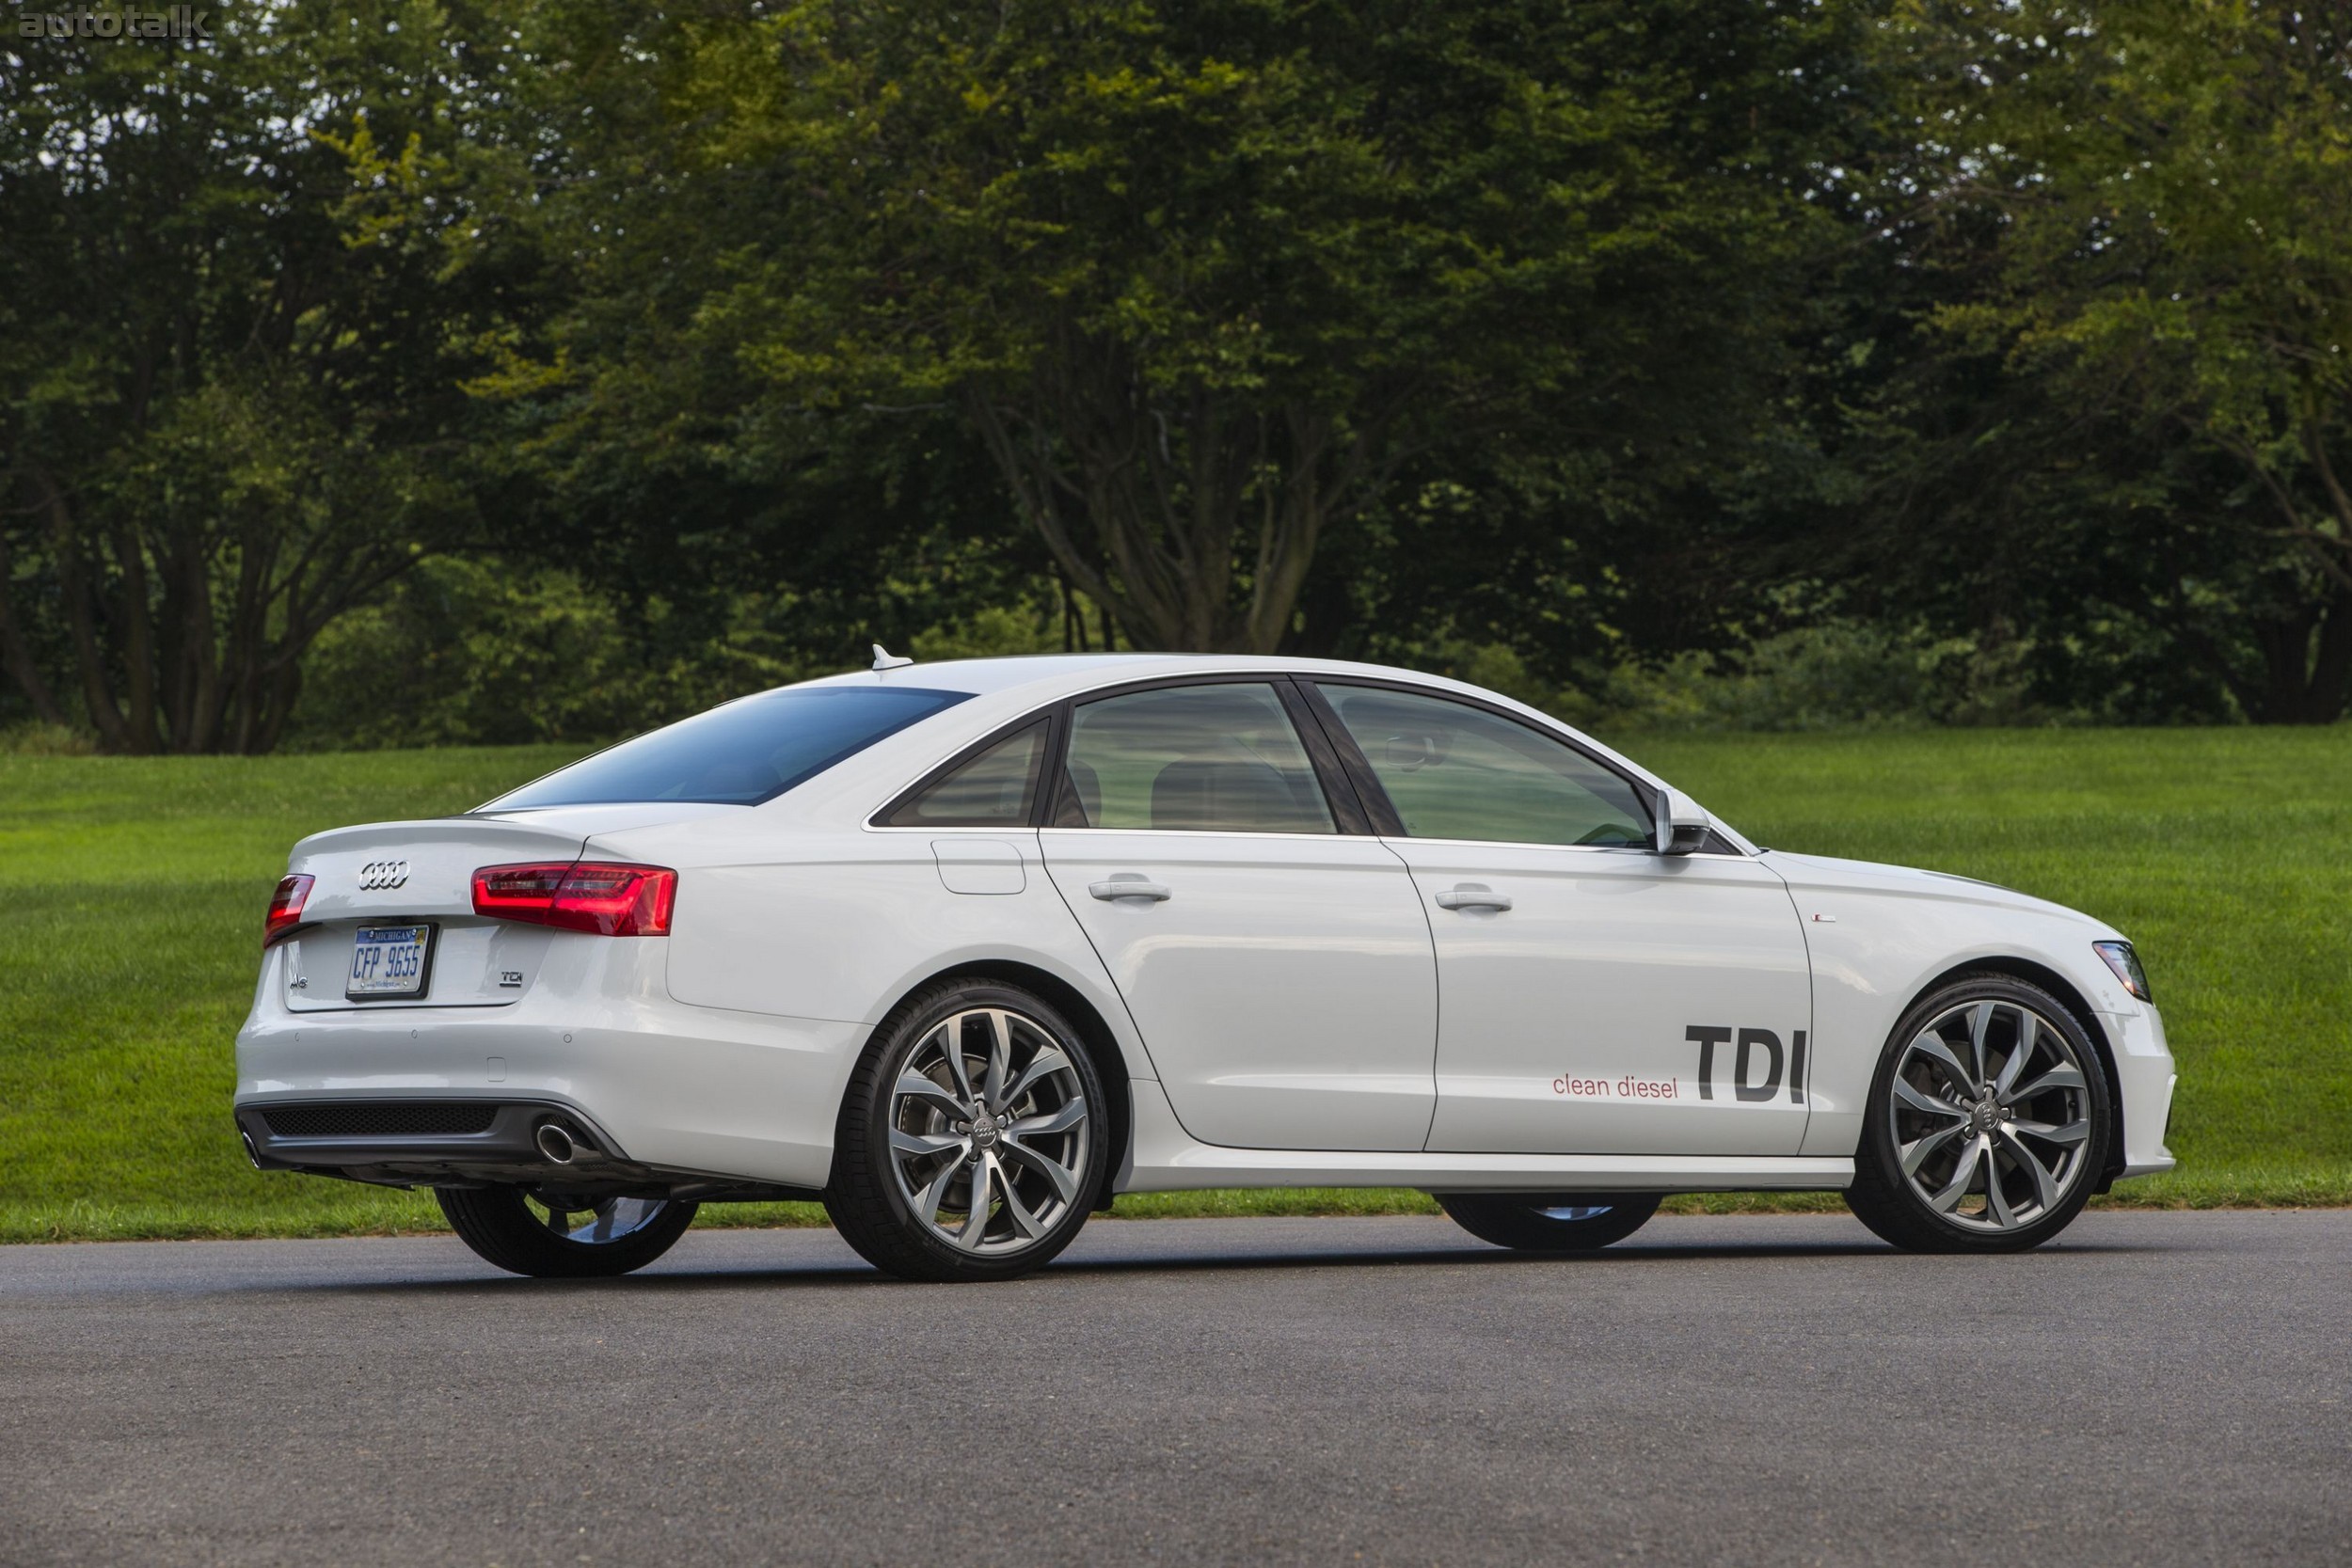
x=970, y=1146
x=1987, y=1125
x=1550, y=1222
x=559, y=1238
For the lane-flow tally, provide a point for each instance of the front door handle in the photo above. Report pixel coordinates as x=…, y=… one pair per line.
x=1128, y=884
x=1473, y=896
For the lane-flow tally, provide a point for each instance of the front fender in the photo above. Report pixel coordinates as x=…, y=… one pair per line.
x=1875, y=949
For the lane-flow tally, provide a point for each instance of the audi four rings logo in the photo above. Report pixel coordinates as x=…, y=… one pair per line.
x=379, y=875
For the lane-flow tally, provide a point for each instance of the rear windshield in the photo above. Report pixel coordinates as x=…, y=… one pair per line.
x=740, y=755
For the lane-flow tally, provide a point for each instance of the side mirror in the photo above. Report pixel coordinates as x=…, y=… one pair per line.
x=1681, y=826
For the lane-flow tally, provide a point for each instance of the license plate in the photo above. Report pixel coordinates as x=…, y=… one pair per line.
x=389, y=961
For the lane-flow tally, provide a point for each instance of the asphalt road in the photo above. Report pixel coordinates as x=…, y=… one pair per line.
x=2155, y=1389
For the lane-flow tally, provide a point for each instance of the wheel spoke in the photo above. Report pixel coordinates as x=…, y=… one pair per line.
x=951, y=1042
x=2053, y=1132
x=2045, y=1190
x=1997, y=1201
x=1048, y=1061
x=916, y=1146
x=1916, y=1152
x=1064, y=1180
x=976, y=1216
x=919, y=1087
x=2029, y=1031
x=2057, y=1078
x=1979, y=1025
x=1919, y=1100
x=1060, y=1119
x=1963, y=1174
x=999, y=1059
x=1027, y=1222
x=1931, y=1046
x=927, y=1201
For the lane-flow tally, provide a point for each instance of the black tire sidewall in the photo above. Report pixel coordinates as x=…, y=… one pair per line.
x=500, y=1226
x=1884, y=1198
x=864, y=1186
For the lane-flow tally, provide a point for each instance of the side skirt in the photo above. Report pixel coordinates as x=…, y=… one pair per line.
x=1164, y=1158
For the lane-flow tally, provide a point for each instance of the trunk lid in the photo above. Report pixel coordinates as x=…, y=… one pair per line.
x=420, y=872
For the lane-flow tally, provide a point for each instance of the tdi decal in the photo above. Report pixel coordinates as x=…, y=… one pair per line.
x=1758, y=1063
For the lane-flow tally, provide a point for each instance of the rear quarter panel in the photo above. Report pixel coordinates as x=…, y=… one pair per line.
x=788, y=922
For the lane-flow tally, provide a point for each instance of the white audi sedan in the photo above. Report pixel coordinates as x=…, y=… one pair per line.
x=964, y=950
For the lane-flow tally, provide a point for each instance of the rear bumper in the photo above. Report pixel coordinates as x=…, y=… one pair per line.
x=662, y=1088
x=461, y=1143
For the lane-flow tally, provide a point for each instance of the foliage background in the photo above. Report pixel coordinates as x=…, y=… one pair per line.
x=405, y=374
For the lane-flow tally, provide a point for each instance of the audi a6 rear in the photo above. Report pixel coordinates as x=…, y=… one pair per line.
x=964, y=950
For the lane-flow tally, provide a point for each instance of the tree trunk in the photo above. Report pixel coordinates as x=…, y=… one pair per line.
x=1193, y=520
x=16, y=654
x=73, y=587
x=2306, y=663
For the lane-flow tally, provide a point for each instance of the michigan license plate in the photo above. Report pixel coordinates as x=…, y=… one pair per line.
x=389, y=961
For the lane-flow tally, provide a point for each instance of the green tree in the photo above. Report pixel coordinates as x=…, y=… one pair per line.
x=229, y=352
x=2144, y=208
x=1201, y=279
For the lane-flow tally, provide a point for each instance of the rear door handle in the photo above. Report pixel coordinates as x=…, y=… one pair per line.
x=1128, y=884
x=1473, y=896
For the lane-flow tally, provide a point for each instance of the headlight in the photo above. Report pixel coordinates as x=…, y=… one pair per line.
x=2125, y=963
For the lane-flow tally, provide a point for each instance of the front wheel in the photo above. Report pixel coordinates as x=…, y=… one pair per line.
x=1987, y=1125
x=1553, y=1223
x=527, y=1233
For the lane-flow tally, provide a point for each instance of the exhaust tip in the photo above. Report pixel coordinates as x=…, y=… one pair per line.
x=556, y=1143
x=251, y=1154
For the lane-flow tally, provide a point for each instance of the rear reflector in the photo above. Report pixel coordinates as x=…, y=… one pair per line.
x=285, y=910
x=605, y=899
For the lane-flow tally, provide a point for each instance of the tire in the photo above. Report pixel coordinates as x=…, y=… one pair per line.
x=502, y=1226
x=1004, y=1096
x=1552, y=1222
x=1988, y=1123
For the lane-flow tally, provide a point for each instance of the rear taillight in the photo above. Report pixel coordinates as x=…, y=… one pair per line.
x=285, y=910
x=588, y=896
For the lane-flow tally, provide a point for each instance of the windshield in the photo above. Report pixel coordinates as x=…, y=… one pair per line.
x=740, y=755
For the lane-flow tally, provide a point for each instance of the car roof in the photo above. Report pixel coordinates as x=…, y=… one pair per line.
x=1067, y=672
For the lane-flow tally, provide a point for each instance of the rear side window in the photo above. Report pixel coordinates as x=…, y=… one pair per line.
x=740, y=755
x=1219, y=758
x=995, y=789
x=1457, y=772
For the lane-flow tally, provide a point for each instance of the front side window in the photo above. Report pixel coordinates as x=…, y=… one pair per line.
x=743, y=753
x=1221, y=758
x=995, y=790
x=1455, y=771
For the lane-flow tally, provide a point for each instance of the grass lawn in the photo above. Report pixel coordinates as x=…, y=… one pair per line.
x=134, y=890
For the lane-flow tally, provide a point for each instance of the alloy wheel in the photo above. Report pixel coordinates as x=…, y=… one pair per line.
x=1990, y=1112
x=988, y=1131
